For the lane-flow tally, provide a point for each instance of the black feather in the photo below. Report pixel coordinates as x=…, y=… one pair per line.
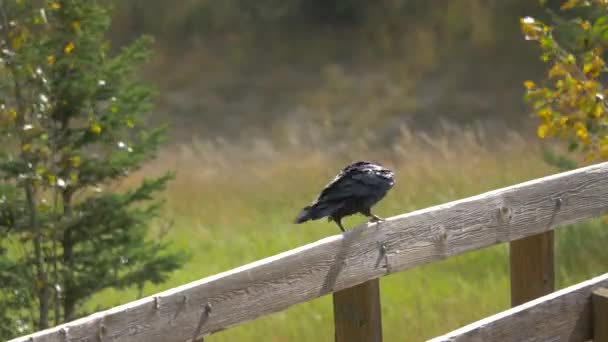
x=356, y=189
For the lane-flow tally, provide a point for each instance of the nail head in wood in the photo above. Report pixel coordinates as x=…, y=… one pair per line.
x=102, y=332
x=156, y=303
x=383, y=248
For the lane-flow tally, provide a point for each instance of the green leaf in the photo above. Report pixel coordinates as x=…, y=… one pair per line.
x=561, y=162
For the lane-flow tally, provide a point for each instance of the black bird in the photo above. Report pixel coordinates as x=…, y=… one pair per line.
x=354, y=190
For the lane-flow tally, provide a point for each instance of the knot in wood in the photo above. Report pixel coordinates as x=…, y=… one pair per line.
x=63, y=333
x=504, y=214
x=442, y=234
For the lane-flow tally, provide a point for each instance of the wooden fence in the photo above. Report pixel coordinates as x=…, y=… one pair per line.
x=351, y=263
x=576, y=314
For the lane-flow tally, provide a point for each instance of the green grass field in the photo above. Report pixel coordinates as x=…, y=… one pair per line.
x=231, y=205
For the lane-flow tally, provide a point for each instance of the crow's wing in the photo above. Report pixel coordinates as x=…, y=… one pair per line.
x=319, y=210
x=349, y=183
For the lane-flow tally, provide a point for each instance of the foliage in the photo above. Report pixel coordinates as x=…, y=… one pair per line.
x=71, y=126
x=572, y=102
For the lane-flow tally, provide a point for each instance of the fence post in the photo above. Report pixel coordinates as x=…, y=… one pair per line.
x=532, y=274
x=599, y=302
x=357, y=315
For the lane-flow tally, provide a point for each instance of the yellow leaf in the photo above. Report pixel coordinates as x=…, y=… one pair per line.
x=16, y=42
x=531, y=28
x=557, y=70
x=570, y=4
x=591, y=86
x=55, y=5
x=26, y=147
x=585, y=25
x=68, y=48
x=12, y=114
x=75, y=161
x=543, y=130
x=570, y=59
x=598, y=110
x=50, y=59
x=76, y=26
x=95, y=128
x=74, y=177
x=582, y=133
x=594, y=67
x=545, y=113
x=529, y=85
x=604, y=151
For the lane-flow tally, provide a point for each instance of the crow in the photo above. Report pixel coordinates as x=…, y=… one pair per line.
x=354, y=190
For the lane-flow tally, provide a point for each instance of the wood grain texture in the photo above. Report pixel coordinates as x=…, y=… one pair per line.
x=564, y=315
x=599, y=303
x=357, y=316
x=531, y=263
x=337, y=262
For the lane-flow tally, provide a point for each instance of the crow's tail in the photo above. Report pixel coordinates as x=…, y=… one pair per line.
x=305, y=215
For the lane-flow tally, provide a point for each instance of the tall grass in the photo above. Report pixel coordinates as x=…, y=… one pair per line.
x=234, y=203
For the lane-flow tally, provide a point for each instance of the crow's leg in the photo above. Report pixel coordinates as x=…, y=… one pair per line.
x=373, y=218
x=338, y=221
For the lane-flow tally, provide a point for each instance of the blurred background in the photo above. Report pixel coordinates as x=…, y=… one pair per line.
x=340, y=68
x=267, y=100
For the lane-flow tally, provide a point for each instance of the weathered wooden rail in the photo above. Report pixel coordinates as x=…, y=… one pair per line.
x=565, y=315
x=349, y=264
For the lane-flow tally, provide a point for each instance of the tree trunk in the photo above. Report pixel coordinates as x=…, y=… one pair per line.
x=69, y=301
x=42, y=283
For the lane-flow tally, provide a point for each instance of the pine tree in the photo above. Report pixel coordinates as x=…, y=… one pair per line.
x=72, y=125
